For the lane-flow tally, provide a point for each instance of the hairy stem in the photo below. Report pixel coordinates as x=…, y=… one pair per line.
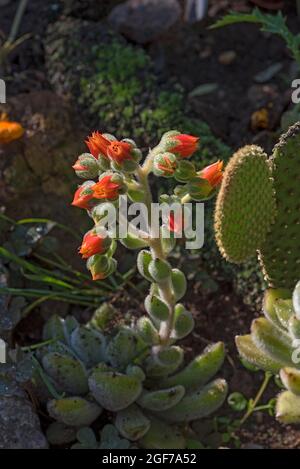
x=165, y=288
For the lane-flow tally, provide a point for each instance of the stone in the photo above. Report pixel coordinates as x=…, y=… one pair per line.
x=19, y=424
x=227, y=57
x=144, y=21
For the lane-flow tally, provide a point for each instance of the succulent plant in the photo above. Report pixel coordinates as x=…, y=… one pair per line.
x=86, y=372
x=274, y=345
x=136, y=373
x=257, y=209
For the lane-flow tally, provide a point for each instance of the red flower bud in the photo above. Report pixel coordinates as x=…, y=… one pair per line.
x=79, y=167
x=119, y=151
x=185, y=145
x=86, y=166
x=98, y=144
x=82, y=197
x=213, y=173
x=106, y=188
x=165, y=164
x=93, y=243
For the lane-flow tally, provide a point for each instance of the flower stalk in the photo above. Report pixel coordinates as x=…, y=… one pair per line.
x=120, y=172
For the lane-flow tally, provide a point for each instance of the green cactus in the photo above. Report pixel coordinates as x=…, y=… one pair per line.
x=257, y=209
x=273, y=345
x=121, y=373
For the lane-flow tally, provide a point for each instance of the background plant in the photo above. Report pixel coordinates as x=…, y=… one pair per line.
x=275, y=24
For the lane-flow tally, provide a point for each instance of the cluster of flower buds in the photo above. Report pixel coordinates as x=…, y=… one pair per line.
x=112, y=168
x=111, y=153
x=106, y=168
x=171, y=160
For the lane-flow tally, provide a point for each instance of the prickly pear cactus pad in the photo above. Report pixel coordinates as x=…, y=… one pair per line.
x=258, y=209
x=280, y=254
x=134, y=373
x=274, y=345
x=245, y=207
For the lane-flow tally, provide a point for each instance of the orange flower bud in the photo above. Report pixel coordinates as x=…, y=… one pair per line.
x=93, y=243
x=97, y=144
x=106, y=188
x=10, y=131
x=165, y=164
x=119, y=151
x=83, y=197
x=213, y=173
x=184, y=145
x=101, y=266
x=86, y=166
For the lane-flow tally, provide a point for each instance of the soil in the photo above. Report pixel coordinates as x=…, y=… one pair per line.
x=195, y=56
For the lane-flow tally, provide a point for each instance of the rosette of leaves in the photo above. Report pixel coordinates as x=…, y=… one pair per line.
x=84, y=373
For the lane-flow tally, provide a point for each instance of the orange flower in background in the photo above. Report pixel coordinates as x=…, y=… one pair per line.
x=106, y=188
x=92, y=244
x=10, y=131
x=82, y=197
x=97, y=144
x=186, y=145
x=213, y=173
x=119, y=151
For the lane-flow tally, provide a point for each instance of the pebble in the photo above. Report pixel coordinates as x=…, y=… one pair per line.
x=227, y=57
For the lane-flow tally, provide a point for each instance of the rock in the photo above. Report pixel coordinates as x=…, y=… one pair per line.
x=144, y=21
x=19, y=425
x=227, y=57
x=36, y=175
